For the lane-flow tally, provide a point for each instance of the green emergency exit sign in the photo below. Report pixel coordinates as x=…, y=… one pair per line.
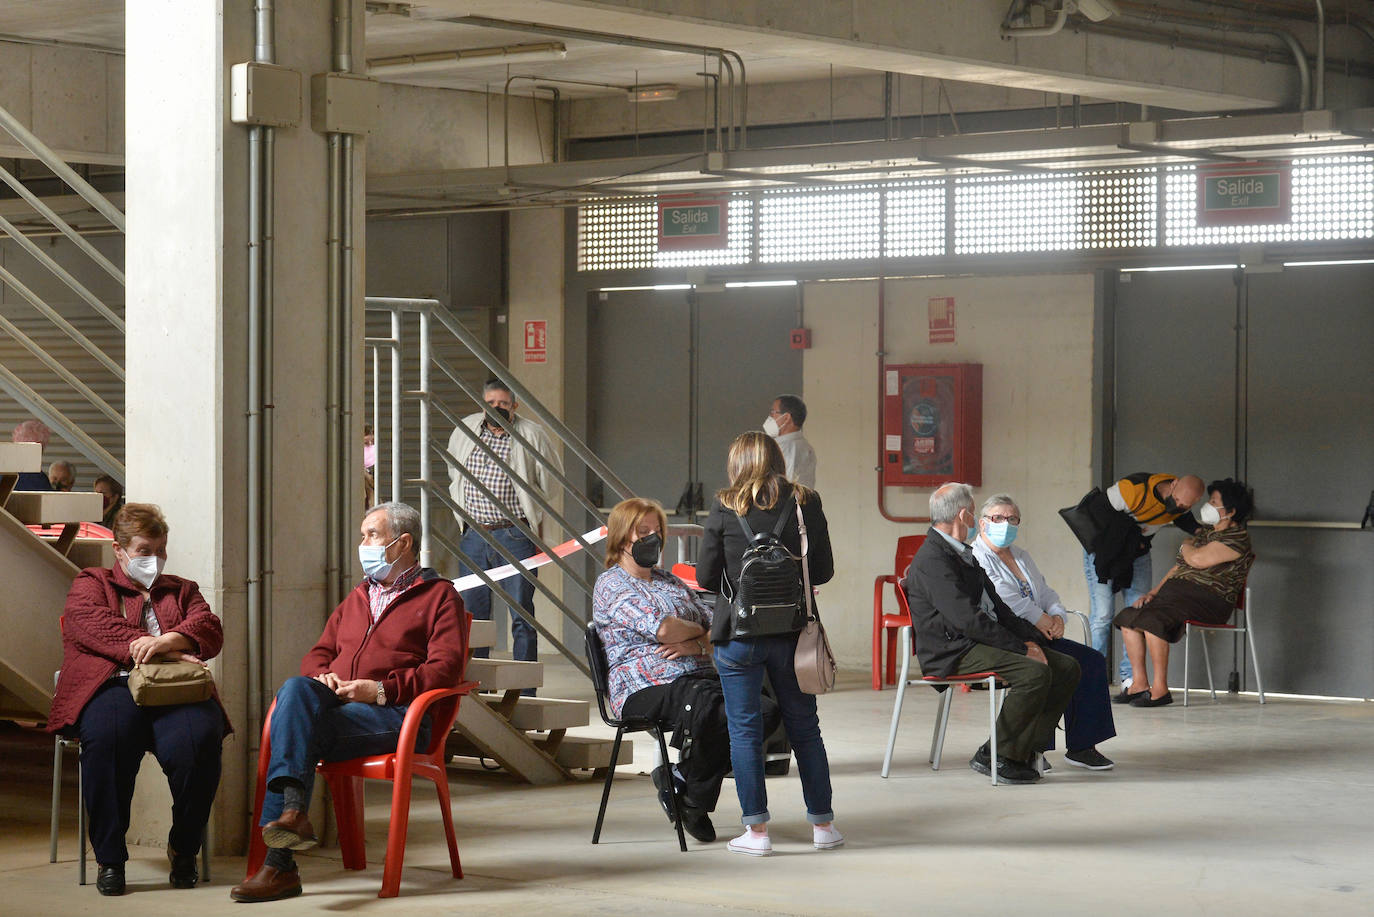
x=1250, y=194
x=692, y=223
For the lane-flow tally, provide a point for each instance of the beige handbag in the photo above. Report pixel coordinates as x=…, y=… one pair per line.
x=813, y=661
x=161, y=683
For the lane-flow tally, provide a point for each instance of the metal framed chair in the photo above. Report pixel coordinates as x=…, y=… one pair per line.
x=885, y=624
x=991, y=680
x=1241, y=623
x=62, y=744
x=596, y=661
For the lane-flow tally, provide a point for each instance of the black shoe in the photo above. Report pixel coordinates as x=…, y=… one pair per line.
x=184, y=873
x=665, y=791
x=982, y=760
x=1008, y=771
x=110, y=879
x=1124, y=698
x=1143, y=699
x=697, y=823
x=1090, y=758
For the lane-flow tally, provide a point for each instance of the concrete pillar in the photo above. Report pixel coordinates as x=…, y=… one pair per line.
x=187, y=343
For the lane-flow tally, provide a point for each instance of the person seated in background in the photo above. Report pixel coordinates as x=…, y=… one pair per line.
x=1204, y=585
x=112, y=493
x=400, y=633
x=62, y=476
x=961, y=627
x=113, y=620
x=32, y=431
x=1088, y=718
x=656, y=631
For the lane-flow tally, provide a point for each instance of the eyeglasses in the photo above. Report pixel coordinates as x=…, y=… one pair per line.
x=998, y=517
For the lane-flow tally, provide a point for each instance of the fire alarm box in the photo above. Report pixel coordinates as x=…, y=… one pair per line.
x=932, y=424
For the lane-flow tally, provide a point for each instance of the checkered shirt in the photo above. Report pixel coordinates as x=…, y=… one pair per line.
x=494, y=479
x=379, y=596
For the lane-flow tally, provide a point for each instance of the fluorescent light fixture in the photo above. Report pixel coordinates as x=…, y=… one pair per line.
x=760, y=283
x=466, y=59
x=658, y=288
x=653, y=92
x=1324, y=263
x=1180, y=267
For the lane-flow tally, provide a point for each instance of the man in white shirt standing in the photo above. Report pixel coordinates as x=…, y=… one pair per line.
x=784, y=424
x=513, y=508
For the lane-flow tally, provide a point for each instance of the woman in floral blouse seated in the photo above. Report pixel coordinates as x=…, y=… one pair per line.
x=1203, y=585
x=658, y=652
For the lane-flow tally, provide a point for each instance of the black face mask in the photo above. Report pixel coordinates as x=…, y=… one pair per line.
x=1171, y=507
x=505, y=415
x=646, y=550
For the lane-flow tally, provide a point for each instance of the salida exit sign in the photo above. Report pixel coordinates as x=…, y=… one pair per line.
x=1244, y=193
x=690, y=223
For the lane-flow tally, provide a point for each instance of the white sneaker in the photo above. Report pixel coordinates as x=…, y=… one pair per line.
x=826, y=838
x=752, y=843
x=1041, y=765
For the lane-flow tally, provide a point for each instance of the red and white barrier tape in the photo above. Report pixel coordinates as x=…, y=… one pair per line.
x=506, y=571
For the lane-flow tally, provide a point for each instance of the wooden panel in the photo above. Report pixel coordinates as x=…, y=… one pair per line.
x=34, y=508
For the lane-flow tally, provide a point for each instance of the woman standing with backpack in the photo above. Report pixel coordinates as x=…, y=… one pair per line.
x=760, y=499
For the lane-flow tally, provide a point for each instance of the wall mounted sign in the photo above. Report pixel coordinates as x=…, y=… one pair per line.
x=537, y=342
x=1245, y=193
x=691, y=223
x=942, y=326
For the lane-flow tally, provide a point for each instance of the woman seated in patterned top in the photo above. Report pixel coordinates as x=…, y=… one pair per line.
x=658, y=653
x=1203, y=585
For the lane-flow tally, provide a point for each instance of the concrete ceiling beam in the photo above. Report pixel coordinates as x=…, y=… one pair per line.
x=944, y=41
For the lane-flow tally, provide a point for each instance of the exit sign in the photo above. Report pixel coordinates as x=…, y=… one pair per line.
x=689, y=223
x=1245, y=193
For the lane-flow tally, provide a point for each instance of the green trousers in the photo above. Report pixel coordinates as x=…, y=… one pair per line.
x=1036, y=696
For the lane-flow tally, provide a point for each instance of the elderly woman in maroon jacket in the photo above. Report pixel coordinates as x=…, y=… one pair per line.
x=115, y=619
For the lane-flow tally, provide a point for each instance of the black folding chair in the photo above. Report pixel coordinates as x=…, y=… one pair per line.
x=596, y=661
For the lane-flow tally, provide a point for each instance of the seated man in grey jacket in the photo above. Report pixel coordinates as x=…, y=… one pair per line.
x=961, y=626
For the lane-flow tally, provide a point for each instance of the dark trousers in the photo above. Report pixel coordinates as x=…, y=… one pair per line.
x=706, y=760
x=1036, y=697
x=1088, y=718
x=477, y=600
x=311, y=724
x=115, y=733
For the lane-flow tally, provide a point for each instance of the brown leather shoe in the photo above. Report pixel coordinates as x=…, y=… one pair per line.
x=268, y=885
x=291, y=830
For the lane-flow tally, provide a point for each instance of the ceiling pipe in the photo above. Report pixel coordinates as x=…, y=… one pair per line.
x=1319, y=93
x=1141, y=12
x=537, y=28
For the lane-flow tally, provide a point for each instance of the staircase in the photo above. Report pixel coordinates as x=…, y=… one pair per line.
x=527, y=736
x=39, y=571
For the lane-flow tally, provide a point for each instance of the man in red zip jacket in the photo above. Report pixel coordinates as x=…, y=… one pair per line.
x=400, y=633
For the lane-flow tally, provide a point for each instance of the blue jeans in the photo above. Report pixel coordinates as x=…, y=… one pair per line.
x=741, y=664
x=1103, y=605
x=477, y=600
x=311, y=724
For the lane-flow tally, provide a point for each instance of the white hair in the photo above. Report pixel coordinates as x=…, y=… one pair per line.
x=999, y=500
x=948, y=500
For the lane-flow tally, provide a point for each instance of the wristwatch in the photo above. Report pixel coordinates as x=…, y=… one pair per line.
x=381, y=694
x=701, y=647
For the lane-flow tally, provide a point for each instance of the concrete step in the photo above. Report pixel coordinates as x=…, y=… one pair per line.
x=38, y=508
x=504, y=674
x=575, y=752
x=91, y=552
x=20, y=458
x=483, y=633
x=546, y=713
x=482, y=732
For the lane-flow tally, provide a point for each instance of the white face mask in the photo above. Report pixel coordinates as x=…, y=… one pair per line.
x=145, y=570
x=770, y=426
x=1209, y=514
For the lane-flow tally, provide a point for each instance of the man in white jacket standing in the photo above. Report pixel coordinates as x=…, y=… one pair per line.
x=513, y=504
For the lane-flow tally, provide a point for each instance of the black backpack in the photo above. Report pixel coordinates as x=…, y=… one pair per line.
x=768, y=600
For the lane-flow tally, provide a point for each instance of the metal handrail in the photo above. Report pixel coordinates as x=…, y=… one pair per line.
x=17, y=388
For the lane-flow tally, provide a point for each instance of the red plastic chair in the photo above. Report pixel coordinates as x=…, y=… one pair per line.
x=888, y=624
x=345, y=779
x=688, y=574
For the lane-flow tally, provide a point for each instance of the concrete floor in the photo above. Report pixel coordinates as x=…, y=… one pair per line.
x=1230, y=808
